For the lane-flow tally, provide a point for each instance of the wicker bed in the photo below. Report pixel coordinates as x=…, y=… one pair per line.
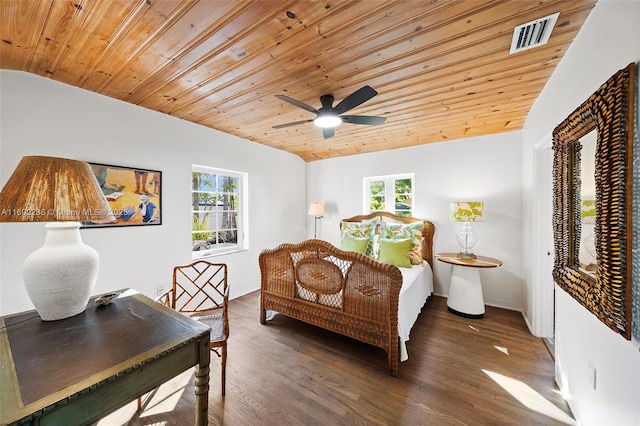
x=342, y=291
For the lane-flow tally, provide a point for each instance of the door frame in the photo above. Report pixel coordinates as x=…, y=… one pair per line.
x=543, y=287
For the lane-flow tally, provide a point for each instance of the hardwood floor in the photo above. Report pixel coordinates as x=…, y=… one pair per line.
x=490, y=371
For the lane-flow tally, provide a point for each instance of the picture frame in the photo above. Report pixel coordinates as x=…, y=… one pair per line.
x=134, y=195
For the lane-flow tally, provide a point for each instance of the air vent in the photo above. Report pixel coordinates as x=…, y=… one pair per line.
x=533, y=34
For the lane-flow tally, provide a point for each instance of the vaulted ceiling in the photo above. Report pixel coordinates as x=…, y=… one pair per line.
x=442, y=69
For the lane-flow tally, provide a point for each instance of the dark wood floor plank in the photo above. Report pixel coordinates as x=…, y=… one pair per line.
x=290, y=373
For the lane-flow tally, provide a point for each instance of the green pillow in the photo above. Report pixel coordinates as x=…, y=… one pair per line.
x=400, y=231
x=351, y=243
x=395, y=252
x=359, y=230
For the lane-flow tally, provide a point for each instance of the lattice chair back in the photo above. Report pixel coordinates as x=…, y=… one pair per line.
x=200, y=287
x=201, y=291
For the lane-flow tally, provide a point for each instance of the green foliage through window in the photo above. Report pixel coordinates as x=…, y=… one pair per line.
x=215, y=199
x=398, y=188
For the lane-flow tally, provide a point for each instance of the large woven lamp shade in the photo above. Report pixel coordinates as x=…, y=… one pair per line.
x=60, y=276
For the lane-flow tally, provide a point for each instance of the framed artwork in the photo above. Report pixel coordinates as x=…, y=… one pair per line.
x=134, y=195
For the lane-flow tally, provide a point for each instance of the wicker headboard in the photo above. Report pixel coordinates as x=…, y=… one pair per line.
x=427, y=233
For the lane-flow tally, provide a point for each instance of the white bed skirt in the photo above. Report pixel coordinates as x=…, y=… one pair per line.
x=417, y=286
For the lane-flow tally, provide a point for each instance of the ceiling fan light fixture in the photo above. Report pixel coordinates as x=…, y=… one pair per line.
x=328, y=117
x=327, y=121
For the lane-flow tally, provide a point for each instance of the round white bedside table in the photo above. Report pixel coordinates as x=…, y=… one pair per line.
x=465, y=292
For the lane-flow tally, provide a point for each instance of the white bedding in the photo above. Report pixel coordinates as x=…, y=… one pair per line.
x=417, y=286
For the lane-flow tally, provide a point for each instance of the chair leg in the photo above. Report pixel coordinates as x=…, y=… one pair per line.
x=223, y=361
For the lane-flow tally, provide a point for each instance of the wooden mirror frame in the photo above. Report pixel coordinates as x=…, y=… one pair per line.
x=610, y=111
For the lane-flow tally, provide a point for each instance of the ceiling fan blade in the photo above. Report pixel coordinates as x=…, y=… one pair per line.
x=356, y=98
x=295, y=123
x=298, y=104
x=328, y=132
x=363, y=119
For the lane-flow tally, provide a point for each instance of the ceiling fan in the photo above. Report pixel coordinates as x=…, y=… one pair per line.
x=329, y=117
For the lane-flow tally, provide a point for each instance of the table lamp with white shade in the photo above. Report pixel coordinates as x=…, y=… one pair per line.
x=60, y=276
x=466, y=212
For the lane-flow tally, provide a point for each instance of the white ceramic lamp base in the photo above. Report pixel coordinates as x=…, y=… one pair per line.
x=60, y=276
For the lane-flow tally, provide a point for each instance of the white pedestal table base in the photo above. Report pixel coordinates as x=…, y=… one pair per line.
x=465, y=293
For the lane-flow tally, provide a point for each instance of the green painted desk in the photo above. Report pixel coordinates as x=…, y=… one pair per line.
x=77, y=370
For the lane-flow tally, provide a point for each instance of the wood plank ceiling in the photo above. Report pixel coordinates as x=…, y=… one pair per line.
x=442, y=68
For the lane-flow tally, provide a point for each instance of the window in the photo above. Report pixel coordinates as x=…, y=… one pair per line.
x=217, y=206
x=393, y=193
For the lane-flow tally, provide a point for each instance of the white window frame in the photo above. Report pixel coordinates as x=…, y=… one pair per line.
x=389, y=192
x=242, y=243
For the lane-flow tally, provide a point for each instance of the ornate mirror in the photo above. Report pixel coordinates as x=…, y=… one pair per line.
x=592, y=173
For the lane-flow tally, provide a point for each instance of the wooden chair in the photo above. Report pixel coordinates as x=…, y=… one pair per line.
x=200, y=290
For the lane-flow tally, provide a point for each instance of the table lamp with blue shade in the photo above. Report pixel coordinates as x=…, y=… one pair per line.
x=60, y=276
x=466, y=212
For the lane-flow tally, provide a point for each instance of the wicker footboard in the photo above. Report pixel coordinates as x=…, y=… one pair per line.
x=341, y=291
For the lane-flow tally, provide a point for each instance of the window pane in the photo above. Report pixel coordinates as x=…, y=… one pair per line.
x=202, y=242
x=227, y=220
x=377, y=187
x=203, y=201
x=377, y=203
x=403, y=186
x=403, y=197
x=403, y=205
x=203, y=223
x=376, y=200
x=228, y=236
x=203, y=182
x=228, y=202
x=229, y=184
x=403, y=202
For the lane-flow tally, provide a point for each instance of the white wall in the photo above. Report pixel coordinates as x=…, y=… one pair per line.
x=484, y=168
x=42, y=117
x=609, y=40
